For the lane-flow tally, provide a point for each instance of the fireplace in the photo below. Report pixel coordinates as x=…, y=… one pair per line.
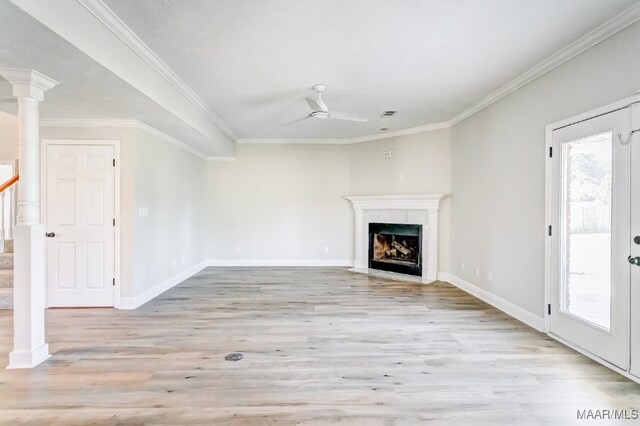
x=396, y=247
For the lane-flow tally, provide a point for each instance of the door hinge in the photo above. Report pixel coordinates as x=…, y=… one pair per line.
x=550, y=230
x=114, y=282
x=114, y=162
x=114, y=222
x=550, y=152
x=549, y=309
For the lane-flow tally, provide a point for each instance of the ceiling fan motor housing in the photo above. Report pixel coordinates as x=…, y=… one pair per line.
x=322, y=115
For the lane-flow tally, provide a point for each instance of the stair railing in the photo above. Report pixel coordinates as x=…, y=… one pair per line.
x=8, y=200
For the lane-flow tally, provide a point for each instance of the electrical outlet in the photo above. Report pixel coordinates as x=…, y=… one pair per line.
x=151, y=272
x=184, y=260
x=402, y=176
x=463, y=267
x=173, y=264
x=238, y=249
x=477, y=272
x=389, y=154
x=490, y=276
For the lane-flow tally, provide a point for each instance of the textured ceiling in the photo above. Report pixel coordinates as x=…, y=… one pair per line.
x=86, y=90
x=253, y=61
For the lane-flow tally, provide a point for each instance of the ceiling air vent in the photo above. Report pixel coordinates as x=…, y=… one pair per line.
x=388, y=114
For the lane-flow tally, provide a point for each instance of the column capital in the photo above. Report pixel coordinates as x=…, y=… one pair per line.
x=27, y=82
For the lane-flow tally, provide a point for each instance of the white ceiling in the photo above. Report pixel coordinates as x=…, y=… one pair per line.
x=86, y=90
x=253, y=61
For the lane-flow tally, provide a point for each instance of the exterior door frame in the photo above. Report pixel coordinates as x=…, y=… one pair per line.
x=548, y=249
x=117, y=229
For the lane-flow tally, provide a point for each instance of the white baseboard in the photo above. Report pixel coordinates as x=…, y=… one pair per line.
x=507, y=307
x=280, y=262
x=158, y=289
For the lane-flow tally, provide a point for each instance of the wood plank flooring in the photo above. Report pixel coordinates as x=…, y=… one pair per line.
x=321, y=346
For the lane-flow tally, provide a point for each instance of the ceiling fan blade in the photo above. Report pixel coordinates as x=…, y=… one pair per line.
x=318, y=105
x=295, y=121
x=344, y=116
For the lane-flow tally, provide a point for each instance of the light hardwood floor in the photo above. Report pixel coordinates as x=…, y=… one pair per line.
x=320, y=345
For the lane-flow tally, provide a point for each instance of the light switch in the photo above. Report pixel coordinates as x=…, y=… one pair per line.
x=143, y=212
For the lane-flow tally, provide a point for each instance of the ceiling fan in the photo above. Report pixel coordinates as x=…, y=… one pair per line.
x=320, y=111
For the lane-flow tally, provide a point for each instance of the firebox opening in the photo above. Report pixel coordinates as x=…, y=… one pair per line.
x=395, y=248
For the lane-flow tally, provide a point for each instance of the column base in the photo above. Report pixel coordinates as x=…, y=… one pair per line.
x=28, y=359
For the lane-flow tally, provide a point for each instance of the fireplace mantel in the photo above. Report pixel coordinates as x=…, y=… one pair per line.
x=403, y=209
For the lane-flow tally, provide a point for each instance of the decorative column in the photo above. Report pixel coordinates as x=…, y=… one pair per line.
x=29, y=347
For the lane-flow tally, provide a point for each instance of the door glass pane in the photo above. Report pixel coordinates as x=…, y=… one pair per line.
x=586, y=229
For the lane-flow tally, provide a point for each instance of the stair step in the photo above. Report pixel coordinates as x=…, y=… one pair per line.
x=8, y=246
x=6, y=261
x=6, y=279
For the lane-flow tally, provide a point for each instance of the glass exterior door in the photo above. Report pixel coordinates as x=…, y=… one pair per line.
x=590, y=237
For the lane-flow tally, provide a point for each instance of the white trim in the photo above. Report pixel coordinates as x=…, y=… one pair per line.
x=28, y=359
x=604, y=31
x=112, y=22
x=532, y=320
x=373, y=208
x=549, y=186
x=135, y=124
x=117, y=288
x=280, y=262
x=27, y=82
x=347, y=141
x=139, y=300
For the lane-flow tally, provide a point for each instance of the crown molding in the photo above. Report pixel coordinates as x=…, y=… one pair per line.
x=346, y=141
x=132, y=124
x=628, y=17
x=402, y=132
x=291, y=141
x=113, y=22
x=110, y=20
x=604, y=31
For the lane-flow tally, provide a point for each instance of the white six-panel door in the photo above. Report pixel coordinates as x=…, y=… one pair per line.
x=80, y=214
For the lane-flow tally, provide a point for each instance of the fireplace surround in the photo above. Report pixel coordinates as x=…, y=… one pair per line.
x=397, y=209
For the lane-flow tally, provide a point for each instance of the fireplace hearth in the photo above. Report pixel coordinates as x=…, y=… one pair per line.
x=396, y=248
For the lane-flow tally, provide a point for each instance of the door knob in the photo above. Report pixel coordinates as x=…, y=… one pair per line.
x=634, y=260
x=636, y=239
x=50, y=234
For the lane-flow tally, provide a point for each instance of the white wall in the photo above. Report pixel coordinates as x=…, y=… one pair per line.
x=277, y=202
x=168, y=181
x=498, y=168
x=8, y=136
x=421, y=165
